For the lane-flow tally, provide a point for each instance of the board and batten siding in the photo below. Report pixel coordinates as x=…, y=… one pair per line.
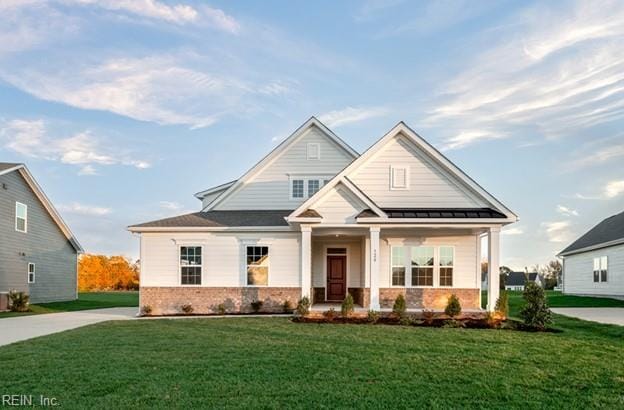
x=224, y=257
x=578, y=273
x=429, y=186
x=44, y=244
x=270, y=188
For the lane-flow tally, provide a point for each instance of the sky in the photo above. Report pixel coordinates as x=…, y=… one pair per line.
x=123, y=109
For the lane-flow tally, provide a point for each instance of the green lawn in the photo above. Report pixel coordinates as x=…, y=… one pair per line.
x=274, y=363
x=557, y=299
x=92, y=300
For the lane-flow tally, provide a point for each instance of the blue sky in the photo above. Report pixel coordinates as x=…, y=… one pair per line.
x=123, y=109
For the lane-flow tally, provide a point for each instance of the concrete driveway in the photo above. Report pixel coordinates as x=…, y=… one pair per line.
x=15, y=329
x=610, y=316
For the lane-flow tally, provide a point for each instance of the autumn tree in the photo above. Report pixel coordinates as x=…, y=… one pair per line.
x=100, y=272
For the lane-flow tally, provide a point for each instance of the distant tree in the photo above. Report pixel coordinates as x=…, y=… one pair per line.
x=551, y=273
x=100, y=272
x=505, y=270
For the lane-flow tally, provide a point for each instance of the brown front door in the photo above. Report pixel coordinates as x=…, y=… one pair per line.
x=336, y=277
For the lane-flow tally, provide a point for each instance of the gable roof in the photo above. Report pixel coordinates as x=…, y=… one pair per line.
x=606, y=233
x=6, y=168
x=271, y=156
x=402, y=129
x=219, y=219
x=519, y=278
x=218, y=188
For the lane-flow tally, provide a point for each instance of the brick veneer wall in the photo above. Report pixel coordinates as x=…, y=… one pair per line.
x=168, y=300
x=429, y=298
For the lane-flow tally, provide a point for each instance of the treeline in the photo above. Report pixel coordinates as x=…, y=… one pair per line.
x=100, y=272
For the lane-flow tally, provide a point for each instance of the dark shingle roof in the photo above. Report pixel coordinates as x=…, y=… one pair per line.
x=519, y=278
x=611, y=229
x=443, y=213
x=216, y=219
x=7, y=165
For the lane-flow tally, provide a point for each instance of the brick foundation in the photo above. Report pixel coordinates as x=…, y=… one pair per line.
x=206, y=300
x=429, y=298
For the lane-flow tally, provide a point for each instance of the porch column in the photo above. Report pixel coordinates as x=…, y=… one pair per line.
x=493, y=267
x=374, y=268
x=306, y=261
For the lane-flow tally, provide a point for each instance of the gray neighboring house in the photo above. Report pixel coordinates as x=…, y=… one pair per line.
x=517, y=280
x=38, y=252
x=594, y=264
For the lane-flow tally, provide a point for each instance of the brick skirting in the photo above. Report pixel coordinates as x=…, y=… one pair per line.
x=429, y=298
x=206, y=300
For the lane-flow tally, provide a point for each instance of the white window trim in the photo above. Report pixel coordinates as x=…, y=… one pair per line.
x=246, y=266
x=190, y=245
x=406, y=168
x=318, y=151
x=439, y=267
x=407, y=260
x=34, y=272
x=293, y=198
x=25, y=219
x=433, y=268
x=600, y=259
x=305, y=178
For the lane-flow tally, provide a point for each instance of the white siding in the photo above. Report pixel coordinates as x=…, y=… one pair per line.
x=578, y=273
x=339, y=205
x=465, y=269
x=428, y=185
x=355, y=276
x=211, y=197
x=223, y=258
x=270, y=188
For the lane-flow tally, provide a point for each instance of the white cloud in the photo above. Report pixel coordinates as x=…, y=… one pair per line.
x=465, y=138
x=350, y=115
x=81, y=209
x=30, y=138
x=558, y=231
x=171, y=206
x=513, y=231
x=586, y=158
x=565, y=211
x=611, y=190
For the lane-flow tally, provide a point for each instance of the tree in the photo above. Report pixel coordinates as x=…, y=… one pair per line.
x=100, y=272
x=535, y=312
x=552, y=274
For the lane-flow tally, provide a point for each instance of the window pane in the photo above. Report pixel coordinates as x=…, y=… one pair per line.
x=398, y=256
x=191, y=275
x=313, y=186
x=603, y=275
x=446, y=256
x=603, y=263
x=398, y=276
x=190, y=255
x=297, y=188
x=258, y=265
x=258, y=275
x=596, y=276
x=446, y=276
x=20, y=224
x=422, y=276
x=337, y=251
x=422, y=256
x=20, y=210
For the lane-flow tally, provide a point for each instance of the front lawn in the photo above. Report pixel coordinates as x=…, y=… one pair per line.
x=91, y=300
x=556, y=299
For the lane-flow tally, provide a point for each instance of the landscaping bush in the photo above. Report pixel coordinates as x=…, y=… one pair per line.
x=256, y=305
x=453, y=324
x=188, y=309
x=428, y=315
x=303, y=306
x=347, y=306
x=373, y=316
x=221, y=309
x=18, y=301
x=535, y=312
x=453, y=307
x=146, y=309
x=287, y=306
x=502, y=304
x=330, y=314
x=399, y=308
x=405, y=320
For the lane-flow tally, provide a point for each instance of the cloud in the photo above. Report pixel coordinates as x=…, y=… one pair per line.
x=565, y=211
x=513, y=231
x=81, y=209
x=557, y=231
x=611, y=190
x=599, y=156
x=30, y=139
x=350, y=115
x=171, y=206
x=555, y=69
x=465, y=138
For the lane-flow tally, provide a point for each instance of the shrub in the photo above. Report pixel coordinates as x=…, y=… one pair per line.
x=373, y=316
x=19, y=301
x=535, y=312
x=405, y=320
x=287, y=306
x=303, y=306
x=428, y=315
x=399, y=306
x=188, y=309
x=347, y=306
x=453, y=307
x=330, y=314
x=221, y=309
x=146, y=309
x=502, y=304
x=453, y=324
x=256, y=305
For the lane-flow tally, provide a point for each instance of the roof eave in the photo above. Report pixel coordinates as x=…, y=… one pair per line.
x=591, y=247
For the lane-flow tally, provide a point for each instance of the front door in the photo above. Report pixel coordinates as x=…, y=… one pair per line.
x=336, y=277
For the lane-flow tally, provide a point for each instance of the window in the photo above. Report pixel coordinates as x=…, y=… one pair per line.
x=313, y=186
x=257, y=265
x=191, y=265
x=446, y=265
x=600, y=269
x=314, y=150
x=21, y=217
x=297, y=188
x=31, y=273
x=422, y=266
x=398, y=266
x=399, y=177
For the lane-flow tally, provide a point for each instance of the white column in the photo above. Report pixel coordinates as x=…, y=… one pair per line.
x=374, y=268
x=493, y=267
x=478, y=278
x=306, y=261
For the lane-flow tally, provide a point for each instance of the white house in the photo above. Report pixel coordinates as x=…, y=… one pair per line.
x=594, y=263
x=314, y=218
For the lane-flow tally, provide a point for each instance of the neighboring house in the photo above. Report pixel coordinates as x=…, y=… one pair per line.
x=38, y=252
x=313, y=218
x=517, y=280
x=594, y=263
